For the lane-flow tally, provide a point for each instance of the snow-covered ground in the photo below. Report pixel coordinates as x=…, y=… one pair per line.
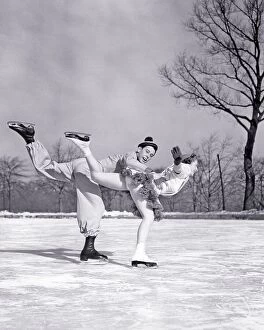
x=210, y=276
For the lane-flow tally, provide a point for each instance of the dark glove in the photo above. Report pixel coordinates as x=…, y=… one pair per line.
x=188, y=159
x=177, y=155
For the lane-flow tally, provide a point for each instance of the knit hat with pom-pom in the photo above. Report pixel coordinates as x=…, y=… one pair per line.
x=148, y=142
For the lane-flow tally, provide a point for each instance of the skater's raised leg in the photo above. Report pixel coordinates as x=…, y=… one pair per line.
x=109, y=180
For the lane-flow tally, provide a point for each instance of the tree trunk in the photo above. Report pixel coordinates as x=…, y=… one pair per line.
x=194, y=195
x=221, y=181
x=9, y=196
x=4, y=195
x=249, y=197
x=60, y=201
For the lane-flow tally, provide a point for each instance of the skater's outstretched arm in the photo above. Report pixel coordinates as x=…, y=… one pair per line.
x=177, y=175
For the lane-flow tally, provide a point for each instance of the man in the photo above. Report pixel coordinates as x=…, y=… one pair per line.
x=90, y=206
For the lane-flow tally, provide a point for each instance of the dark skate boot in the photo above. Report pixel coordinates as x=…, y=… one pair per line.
x=81, y=140
x=144, y=264
x=78, y=136
x=89, y=252
x=26, y=130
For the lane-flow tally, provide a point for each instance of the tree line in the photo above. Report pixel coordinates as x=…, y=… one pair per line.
x=218, y=185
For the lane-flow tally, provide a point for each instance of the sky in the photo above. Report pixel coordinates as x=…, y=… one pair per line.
x=92, y=66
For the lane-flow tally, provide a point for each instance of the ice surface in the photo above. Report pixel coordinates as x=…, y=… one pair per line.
x=210, y=276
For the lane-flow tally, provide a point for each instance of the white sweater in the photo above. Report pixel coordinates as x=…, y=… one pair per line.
x=176, y=177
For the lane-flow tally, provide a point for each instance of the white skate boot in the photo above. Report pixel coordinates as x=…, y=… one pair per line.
x=141, y=259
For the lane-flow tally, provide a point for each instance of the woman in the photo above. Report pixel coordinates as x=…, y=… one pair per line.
x=144, y=188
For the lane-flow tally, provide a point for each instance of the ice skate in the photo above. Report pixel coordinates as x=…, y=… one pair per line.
x=82, y=140
x=142, y=260
x=89, y=253
x=26, y=130
x=144, y=264
x=94, y=258
x=78, y=136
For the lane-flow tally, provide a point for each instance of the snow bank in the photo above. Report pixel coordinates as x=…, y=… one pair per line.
x=224, y=215
x=23, y=215
x=244, y=215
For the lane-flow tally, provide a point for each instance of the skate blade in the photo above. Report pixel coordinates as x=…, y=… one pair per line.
x=101, y=261
x=143, y=264
x=77, y=135
x=19, y=123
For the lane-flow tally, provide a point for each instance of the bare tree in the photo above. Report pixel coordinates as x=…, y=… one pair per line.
x=229, y=76
x=206, y=184
x=12, y=171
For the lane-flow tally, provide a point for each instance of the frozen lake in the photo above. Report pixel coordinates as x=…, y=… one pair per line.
x=210, y=276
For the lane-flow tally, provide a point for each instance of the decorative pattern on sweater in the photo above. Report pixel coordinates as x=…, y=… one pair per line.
x=147, y=191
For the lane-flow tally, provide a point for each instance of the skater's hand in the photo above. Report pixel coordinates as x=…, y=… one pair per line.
x=177, y=155
x=189, y=159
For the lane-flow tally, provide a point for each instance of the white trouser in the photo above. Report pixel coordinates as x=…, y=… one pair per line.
x=90, y=207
